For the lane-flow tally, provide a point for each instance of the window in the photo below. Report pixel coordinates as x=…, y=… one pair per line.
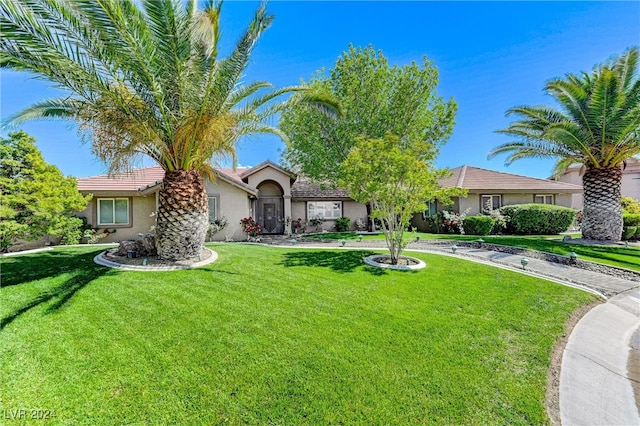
x=113, y=211
x=490, y=202
x=431, y=209
x=213, y=208
x=543, y=199
x=324, y=209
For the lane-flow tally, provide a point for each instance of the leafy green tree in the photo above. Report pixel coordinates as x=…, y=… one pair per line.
x=598, y=126
x=144, y=77
x=376, y=99
x=390, y=174
x=36, y=199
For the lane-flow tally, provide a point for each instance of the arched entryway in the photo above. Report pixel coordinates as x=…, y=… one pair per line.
x=270, y=214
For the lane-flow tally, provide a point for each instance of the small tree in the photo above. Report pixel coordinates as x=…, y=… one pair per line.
x=389, y=174
x=36, y=199
x=377, y=98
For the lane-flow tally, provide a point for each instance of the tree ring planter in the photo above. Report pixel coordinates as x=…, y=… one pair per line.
x=124, y=263
x=406, y=263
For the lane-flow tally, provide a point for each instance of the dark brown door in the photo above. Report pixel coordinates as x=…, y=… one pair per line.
x=270, y=218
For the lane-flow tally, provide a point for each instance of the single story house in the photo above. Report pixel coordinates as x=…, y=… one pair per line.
x=630, y=186
x=275, y=197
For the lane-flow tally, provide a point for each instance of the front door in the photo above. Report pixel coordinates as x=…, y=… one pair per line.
x=270, y=218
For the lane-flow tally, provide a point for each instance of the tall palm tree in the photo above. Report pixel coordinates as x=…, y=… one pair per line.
x=597, y=126
x=144, y=78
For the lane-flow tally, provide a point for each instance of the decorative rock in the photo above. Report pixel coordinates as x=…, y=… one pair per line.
x=126, y=246
x=147, y=245
x=143, y=247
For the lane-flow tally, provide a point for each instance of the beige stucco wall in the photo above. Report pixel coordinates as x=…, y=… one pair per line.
x=267, y=174
x=140, y=211
x=631, y=184
x=472, y=201
x=350, y=209
x=233, y=204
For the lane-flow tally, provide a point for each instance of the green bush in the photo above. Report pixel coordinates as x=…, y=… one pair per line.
x=630, y=205
x=343, y=224
x=628, y=232
x=541, y=219
x=631, y=219
x=478, y=225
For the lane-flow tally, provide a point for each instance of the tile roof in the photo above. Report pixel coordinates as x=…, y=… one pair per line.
x=145, y=178
x=478, y=179
x=135, y=180
x=304, y=188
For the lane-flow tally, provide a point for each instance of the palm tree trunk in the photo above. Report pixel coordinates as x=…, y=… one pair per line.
x=602, y=210
x=183, y=216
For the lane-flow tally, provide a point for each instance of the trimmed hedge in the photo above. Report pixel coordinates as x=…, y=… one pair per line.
x=631, y=219
x=477, y=225
x=538, y=219
x=628, y=232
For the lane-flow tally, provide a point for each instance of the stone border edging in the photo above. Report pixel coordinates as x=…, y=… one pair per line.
x=100, y=260
x=627, y=274
x=371, y=261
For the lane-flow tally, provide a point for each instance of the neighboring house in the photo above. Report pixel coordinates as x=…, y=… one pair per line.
x=274, y=196
x=270, y=194
x=630, y=181
x=489, y=190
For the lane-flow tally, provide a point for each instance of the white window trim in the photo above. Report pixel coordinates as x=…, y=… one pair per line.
x=483, y=196
x=427, y=213
x=332, y=217
x=544, y=198
x=217, y=207
x=114, y=199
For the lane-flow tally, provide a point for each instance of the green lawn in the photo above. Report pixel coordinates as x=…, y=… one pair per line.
x=620, y=256
x=277, y=336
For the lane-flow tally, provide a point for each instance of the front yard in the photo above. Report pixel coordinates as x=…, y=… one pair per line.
x=614, y=255
x=277, y=336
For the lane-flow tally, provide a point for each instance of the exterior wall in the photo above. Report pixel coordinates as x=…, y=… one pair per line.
x=354, y=211
x=140, y=214
x=233, y=204
x=566, y=200
x=472, y=201
x=268, y=173
x=631, y=183
x=351, y=209
x=573, y=176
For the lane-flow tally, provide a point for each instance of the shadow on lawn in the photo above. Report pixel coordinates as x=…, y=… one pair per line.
x=339, y=261
x=17, y=270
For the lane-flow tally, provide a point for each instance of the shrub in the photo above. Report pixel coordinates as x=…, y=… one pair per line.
x=630, y=205
x=538, y=218
x=631, y=219
x=73, y=231
x=250, y=226
x=343, y=224
x=628, y=232
x=478, y=225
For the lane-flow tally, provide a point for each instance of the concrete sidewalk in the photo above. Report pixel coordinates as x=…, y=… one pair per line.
x=601, y=362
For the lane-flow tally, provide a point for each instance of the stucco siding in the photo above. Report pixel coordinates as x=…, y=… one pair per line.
x=234, y=204
x=269, y=174
x=631, y=184
x=140, y=218
x=354, y=211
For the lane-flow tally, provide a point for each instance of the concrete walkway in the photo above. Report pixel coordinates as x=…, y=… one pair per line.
x=601, y=361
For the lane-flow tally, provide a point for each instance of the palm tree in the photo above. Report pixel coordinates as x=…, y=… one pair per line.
x=598, y=127
x=144, y=79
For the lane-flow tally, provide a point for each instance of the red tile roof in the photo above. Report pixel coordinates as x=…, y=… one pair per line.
x=141, y=179
x=477, y=179
x=135, y=180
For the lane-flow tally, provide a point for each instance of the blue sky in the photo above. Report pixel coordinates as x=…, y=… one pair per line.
x=491, y=56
